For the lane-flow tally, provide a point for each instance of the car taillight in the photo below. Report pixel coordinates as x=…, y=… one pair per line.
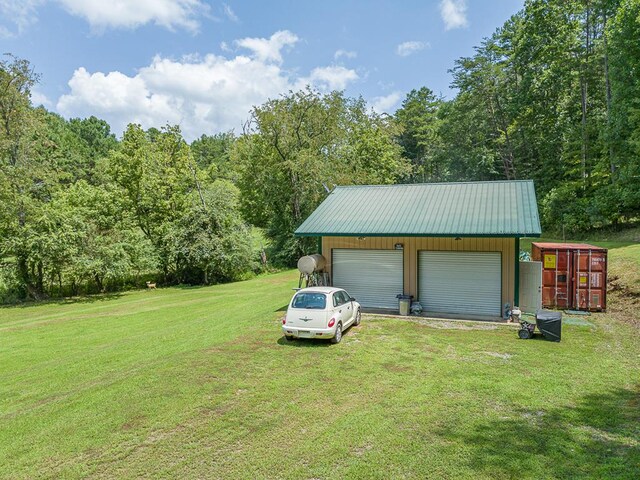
x=332, y=322
x=284, y=320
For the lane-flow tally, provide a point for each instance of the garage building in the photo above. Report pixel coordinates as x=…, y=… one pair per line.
x=453, y=246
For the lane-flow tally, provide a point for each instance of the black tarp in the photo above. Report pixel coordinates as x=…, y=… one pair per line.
x=549, y=323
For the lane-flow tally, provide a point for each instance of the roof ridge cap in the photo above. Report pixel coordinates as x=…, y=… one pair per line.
x=476, y=182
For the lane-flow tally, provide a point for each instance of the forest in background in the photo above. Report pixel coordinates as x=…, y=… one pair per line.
x=553, y=95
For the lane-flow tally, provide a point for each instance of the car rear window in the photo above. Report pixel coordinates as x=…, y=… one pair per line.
x=310, y=300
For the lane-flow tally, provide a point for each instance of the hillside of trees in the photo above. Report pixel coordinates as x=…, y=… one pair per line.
x=553, y=95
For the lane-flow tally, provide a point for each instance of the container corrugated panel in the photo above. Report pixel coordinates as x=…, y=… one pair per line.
x=556, y=277
x=492, y=209
x=590, y=280
x=573, y=276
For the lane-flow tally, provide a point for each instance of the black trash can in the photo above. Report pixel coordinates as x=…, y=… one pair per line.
x=550, y=324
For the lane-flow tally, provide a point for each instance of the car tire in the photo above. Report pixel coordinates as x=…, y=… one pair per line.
x=338, y=336
x=358, y=319
x=289, y=338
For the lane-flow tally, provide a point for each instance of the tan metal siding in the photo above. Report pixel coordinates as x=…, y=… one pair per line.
x=414, y=244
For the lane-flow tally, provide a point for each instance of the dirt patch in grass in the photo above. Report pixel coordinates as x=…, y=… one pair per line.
x=394, y=367
x=619, y=286
x=504, y=356
x=453, y=324
x=624, y=301
x=358, y=452
x=437, y=323
x=625, y=309
x=623, y=288
x=134, y=423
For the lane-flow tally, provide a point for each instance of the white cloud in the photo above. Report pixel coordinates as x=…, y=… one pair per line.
x=385, y=103
x=407, y=48
x=38, y=98
x=228, y=11
x=332, y=78
x=20, y=13
x=201, y=94
x=344, y=53
x=454, y=13
x=133, y=13
x=101, y=14
x=268, y=49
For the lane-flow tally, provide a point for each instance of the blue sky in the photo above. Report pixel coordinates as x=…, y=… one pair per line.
x=202, y=64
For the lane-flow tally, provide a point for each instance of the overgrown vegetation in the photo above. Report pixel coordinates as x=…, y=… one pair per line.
x=553, y=95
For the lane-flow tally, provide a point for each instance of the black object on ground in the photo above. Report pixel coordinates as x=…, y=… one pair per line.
x=550, y=324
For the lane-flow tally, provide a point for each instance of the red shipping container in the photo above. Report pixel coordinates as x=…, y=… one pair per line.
x=574, y=276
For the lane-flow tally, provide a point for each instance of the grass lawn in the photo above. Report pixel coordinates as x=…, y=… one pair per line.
x=199, y=383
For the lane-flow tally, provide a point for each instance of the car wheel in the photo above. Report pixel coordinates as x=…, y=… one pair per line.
x=289, y=337
x=338, y=336
x=358, y=318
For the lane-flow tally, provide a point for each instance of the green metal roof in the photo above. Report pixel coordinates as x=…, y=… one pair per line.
x=472, y=209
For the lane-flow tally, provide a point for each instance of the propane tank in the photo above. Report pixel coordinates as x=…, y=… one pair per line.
x=311, y=263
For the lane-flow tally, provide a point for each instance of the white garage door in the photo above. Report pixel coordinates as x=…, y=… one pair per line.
x=460, y=282
x=374, y=277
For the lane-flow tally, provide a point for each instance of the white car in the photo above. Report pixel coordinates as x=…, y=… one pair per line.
x=320, y=312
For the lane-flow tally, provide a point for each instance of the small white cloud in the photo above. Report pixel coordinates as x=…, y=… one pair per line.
x=228, y=11
x=38, y=98
x=332, y=78
x=5, y=32
x=385, y=103
x=268, y=49
x=407, y=48
x=344, y=53
x=134, y=13
x=454, y=13
x=19, y=13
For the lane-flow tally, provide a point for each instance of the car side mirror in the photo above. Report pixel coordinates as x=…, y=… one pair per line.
x=353, y=299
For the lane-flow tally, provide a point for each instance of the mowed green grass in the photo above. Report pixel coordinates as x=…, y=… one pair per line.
x=199, y=383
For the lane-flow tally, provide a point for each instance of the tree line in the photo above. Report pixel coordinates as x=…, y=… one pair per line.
x=553, y=95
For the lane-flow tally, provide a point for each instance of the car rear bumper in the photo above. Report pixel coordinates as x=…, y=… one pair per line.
x=301, y=332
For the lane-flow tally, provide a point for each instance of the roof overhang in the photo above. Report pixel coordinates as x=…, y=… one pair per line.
x=439, y=235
